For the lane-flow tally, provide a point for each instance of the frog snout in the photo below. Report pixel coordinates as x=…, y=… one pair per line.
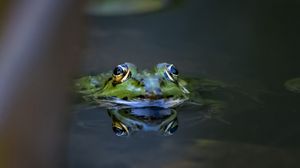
x=152, y=88
x=154, y=93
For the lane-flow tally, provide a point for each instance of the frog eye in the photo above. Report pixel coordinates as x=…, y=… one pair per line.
x=171, y=72
x=121, y=73
x=120, y=129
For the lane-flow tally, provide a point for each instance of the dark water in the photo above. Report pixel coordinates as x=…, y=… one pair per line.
x=252, y=45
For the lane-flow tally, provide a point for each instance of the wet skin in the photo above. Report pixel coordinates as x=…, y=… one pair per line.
x=145, y=100
x=161, y=87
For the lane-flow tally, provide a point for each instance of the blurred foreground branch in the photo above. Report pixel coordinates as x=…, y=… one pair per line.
x=39, y=50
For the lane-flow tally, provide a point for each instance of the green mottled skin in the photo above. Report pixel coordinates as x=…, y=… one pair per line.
x=102, y=86
x=99, y=87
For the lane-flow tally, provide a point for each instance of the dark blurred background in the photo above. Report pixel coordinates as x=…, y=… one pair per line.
x=253, y=45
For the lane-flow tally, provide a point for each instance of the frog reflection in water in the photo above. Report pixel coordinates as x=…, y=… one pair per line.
x=126, y=87
x=127, y=121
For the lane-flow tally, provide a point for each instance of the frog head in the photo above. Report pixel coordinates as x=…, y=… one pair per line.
x=161, y=86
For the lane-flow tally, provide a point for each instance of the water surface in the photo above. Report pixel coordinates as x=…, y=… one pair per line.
x=253, y=46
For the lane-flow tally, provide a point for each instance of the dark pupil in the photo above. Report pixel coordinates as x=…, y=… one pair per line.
x=173, y=70
x=118, y=71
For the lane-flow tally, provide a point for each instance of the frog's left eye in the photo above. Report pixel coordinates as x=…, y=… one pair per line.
x=121, y=73
x=171, y=72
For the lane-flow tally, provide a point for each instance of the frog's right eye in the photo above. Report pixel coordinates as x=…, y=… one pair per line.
x=121, y=73
x=171, y=73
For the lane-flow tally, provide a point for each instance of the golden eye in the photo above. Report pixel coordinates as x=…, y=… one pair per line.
x=171, y=72
x=121, y=73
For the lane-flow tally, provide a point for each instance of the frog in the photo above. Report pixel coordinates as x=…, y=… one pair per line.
x=128, y=121
x=162, y=86
x=148, y=100
x=293, y=85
